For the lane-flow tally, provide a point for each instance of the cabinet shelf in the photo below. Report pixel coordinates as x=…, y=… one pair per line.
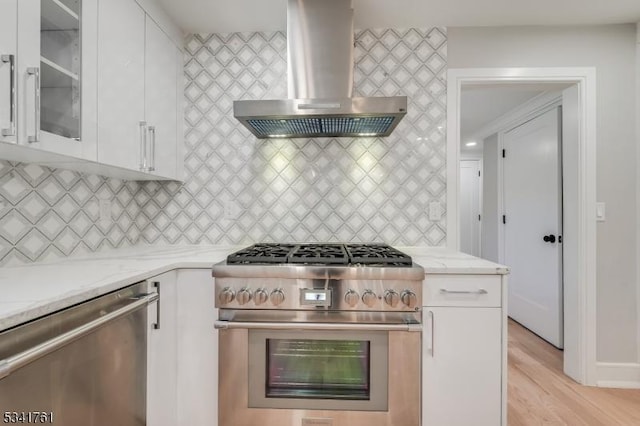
x=57, y=16
x=53, y=75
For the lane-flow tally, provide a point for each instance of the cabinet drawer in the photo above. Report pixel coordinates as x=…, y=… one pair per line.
x=463, y=290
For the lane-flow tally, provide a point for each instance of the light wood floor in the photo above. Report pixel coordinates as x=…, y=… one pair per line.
x=540, y=394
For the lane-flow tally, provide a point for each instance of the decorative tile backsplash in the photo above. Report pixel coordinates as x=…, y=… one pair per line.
x=240, y=190
x=52, y=213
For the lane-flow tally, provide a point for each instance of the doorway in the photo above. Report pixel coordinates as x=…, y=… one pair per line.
x=523, y=211
x=578, y=165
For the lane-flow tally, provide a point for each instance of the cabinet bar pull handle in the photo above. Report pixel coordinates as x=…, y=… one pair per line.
x=34, y=71
x=143, y=145
x=11, y=131
x=430, y=346
x=156, y=325
x=248, y=325
x=152, y=148
x=479, y=291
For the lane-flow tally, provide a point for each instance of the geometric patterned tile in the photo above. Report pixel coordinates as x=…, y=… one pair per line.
x=66, y=241
x=14, y=226
x=33, y=244
x=240, y=190
x=51, y=225
x=13, y=187
x=33, y=207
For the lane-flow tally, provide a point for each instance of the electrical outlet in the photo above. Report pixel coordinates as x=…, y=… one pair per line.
x=231, y=210
x=105, y=210
x=435, y=211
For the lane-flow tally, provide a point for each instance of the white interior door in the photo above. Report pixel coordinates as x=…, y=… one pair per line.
x=470, y=184
x=532, y=232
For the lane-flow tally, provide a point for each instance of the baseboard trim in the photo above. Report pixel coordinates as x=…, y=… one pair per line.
x=618, y=375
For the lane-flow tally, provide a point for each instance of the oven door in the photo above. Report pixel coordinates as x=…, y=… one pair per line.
x=303, y=374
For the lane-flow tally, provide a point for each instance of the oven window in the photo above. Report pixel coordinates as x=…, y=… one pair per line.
x=318, y=369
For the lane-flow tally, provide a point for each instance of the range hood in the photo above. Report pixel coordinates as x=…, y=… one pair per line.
x=320, y=42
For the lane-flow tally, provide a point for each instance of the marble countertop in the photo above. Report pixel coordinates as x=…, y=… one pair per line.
x=31, y=291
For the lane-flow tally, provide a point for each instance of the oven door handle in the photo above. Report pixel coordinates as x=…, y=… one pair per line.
x=315, y=326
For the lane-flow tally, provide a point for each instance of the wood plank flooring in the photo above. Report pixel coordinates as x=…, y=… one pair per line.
x=540, y=394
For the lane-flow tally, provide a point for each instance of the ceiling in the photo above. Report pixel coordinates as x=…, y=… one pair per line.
x=206, y=16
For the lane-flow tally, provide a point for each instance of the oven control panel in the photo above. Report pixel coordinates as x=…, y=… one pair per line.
x=338, y=295
x=315, y=297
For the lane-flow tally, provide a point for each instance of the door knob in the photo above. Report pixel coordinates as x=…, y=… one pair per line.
x=549, y=238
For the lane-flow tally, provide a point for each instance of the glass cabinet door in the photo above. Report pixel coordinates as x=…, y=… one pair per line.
x=60, y=67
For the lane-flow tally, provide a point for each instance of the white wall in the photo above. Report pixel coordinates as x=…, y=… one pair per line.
x=612, y=50
x=490, y=208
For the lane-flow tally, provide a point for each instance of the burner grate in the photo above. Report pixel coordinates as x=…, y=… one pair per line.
x=377, y=254
x=321, y=254
x=261, y=253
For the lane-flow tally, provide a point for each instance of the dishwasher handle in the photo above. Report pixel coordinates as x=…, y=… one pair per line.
x=15, y=362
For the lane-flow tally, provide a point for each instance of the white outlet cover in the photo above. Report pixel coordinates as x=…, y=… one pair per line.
x=435, y=211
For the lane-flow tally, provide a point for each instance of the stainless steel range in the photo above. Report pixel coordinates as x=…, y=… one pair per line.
x=319, y=334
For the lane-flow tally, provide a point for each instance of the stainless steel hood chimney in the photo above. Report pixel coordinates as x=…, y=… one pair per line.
x=320, y=63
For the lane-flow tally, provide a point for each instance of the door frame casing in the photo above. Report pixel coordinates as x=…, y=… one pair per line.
x=581, y=366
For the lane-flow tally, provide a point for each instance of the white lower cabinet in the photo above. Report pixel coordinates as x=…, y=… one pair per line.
x=182, y=353
x=463, y=382
x=162, y=352
x=197, y=349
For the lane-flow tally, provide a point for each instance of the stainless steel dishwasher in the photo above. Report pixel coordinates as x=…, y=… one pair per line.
x=83, y=366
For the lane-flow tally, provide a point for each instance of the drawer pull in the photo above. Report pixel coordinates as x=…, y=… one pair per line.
x=479, y=291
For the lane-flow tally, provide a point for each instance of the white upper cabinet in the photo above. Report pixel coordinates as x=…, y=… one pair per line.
x=121, y=59
x=161, y=99
x=137, y=92
x=8, y=76
x=91, y=85
x=56, y=70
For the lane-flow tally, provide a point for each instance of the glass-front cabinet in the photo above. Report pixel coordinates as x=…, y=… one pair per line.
x=54, y=111
x=60, y=67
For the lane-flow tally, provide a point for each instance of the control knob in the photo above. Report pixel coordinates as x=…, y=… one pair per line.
x=369, y=298
x=260, y=296
x=277, y=297
x=226, y=296
x=391, y=297
x=409, y=298
x=244, y=296
x=352, y=298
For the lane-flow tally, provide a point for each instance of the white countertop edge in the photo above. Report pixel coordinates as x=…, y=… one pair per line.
x=115, y=269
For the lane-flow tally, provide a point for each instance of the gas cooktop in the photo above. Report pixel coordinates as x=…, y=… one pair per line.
x=330, y=254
